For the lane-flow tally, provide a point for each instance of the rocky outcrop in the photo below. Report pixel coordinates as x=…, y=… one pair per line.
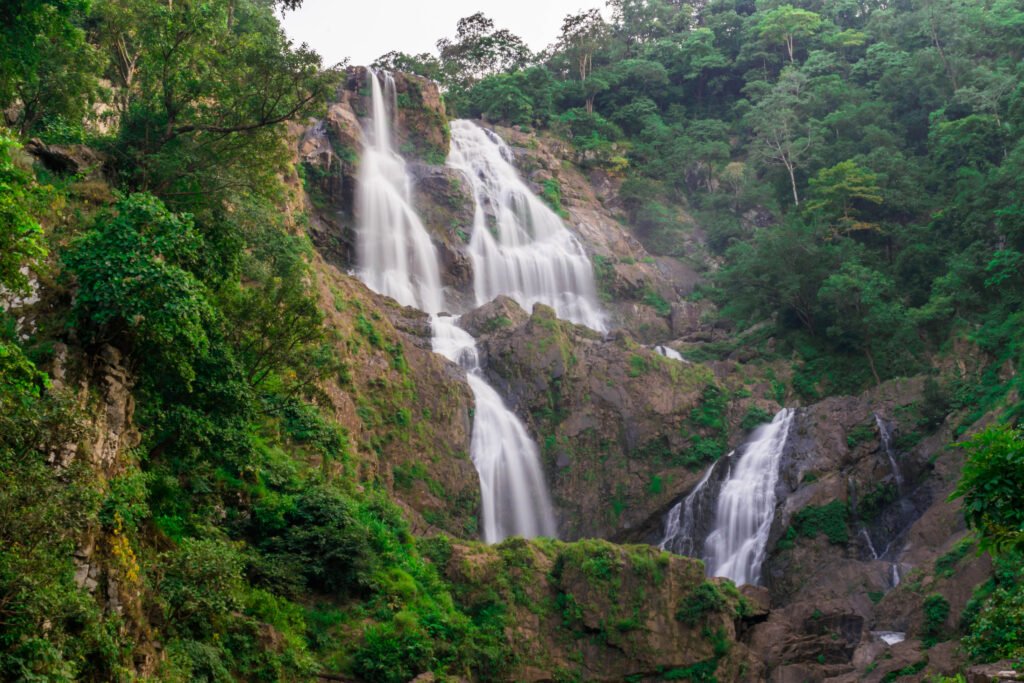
x=617, y=423
x=405, y=408
x=329, y=150
x=595, y=611
x=863, y=537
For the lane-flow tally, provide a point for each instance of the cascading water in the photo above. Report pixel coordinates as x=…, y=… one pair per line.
x=744, y=509
x=397, y=258
x=681, y=532
x=885, y=434
x=669, y=352
x=513, y=492
x=526, y=253
x=746, y=505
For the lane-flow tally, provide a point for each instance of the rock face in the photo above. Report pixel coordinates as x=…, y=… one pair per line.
x=862, y=538
x=613, y=418
x=406, y=409
x=594, y=611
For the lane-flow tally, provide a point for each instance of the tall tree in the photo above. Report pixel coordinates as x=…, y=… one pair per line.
x=782, y=134
x=581, y=35
x=479, y=50
x=787, y=23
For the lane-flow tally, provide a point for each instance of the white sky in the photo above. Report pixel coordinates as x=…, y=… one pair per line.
x=363, y=30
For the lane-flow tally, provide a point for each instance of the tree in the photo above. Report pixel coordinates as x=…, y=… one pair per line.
x=782, y=134
x=837, y=191
x=479, y=50
x=212, y=83
x=787, y=23
x=21, y=238
x=581, y=36
x=134, y=284
x=992, y=487
x=46, y=66
x=865, y=314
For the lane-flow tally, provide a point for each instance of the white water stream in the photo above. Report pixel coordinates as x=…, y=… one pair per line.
x=519, y=246
x=746, y=505
x=395, y=256
x=745, y=508
x=533, y=258
x=512, y=489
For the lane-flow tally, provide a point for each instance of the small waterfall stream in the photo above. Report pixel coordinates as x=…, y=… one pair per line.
x=745, y=507
x=519, y=246
x=533, y=259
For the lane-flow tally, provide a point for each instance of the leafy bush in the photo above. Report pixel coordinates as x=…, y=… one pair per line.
x=992, y=486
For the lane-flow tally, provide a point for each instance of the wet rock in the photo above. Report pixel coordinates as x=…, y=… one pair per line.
x=1004, y=672
x=608, y=415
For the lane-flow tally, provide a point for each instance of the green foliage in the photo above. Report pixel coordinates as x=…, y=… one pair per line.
x=705, y=599
x=21, y=238
x=657, y=302
x=991, y=485
x=945, y=565
x=994, y=617
x=874, y=501
x=936, y=611
x=862, y=433
x=829, y=519
x=551, y=192
x=755, y=417
x=132, y=272
x=908, y=670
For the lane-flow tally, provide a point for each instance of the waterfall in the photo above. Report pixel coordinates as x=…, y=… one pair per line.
x=397, y=258
x=681, y=523
x=512, y=488
x=519, y=246
x=885, y=434
x=746, y=504
x=669, y=352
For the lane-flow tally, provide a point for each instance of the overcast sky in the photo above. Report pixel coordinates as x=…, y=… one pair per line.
x=363, y=30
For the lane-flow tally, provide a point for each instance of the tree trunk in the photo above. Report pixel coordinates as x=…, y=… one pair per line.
x=792, y=180
x=871, y=363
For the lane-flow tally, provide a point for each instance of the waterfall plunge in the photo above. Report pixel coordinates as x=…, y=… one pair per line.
x=527, y=253
x=512, y=488
x=735, y=548
x=394, y=252
x=397, y=258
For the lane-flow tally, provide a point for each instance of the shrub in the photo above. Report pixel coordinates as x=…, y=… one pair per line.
x=705, y=599
x=936, y=611
x=830, y=519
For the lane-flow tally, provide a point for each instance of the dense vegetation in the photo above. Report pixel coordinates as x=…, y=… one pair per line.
x=236, y=535
x=856, y=168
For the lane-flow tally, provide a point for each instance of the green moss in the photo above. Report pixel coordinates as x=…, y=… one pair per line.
x=638, y=365
x=657, y=302
x=860, y=434
x=830, y=519
x=704, y=600
x=551, y=193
